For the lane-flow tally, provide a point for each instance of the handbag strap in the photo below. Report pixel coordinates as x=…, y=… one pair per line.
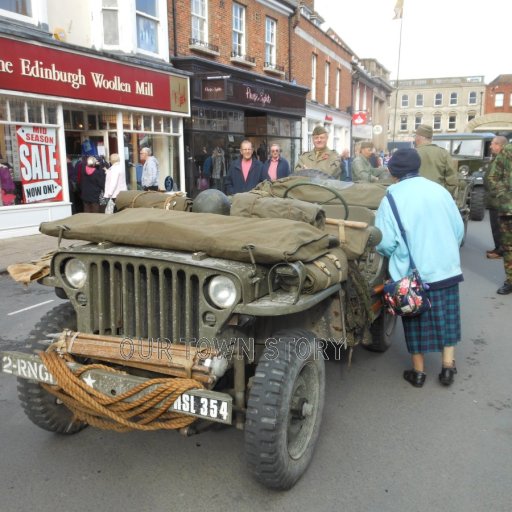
x=400, y=226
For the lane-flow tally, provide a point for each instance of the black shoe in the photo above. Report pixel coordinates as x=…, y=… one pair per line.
x=505, y=289
x=446, y=375
x=417, y=379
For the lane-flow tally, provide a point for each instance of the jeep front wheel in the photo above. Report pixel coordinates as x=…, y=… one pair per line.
x=42, y=408
x=477, y=205
x=284, y=409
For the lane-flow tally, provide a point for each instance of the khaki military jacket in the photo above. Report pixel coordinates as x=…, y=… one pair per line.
x=362, y=170
x=437, y=165
x=327, y=161
x=499, y=181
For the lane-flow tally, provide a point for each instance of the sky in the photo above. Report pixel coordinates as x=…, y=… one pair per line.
x=440, y=38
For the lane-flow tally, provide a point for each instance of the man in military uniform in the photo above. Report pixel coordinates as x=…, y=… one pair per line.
x=497, y=144
x=321, y=158
x=363, y=170
x=500, y=182
x=436, y=162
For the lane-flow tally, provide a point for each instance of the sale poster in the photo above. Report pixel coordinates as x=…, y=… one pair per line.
x=41, y=175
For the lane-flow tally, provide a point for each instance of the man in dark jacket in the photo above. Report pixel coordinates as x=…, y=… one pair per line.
x=245, y=172
x=276, y=166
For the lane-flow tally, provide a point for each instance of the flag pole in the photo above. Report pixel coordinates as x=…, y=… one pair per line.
x=398, y=13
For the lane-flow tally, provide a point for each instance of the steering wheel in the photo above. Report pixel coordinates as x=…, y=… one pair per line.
x=335, y=194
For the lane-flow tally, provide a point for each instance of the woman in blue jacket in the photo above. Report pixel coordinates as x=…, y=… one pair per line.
x=434, y=230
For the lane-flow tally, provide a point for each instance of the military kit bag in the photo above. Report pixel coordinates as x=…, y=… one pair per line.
x=408, y=296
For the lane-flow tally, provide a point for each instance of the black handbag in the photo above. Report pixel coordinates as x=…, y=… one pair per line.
x=408, y=296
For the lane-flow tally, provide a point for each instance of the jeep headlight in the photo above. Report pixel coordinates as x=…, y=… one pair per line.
x=222, y=291
x=75, y=272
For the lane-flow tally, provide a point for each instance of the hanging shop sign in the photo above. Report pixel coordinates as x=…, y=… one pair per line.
x=359, y=118
x=41, y=176
x=34, y=68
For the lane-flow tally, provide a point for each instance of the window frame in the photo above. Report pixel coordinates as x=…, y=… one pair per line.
x=153, y=19
x=437, y=119
x=202, y=19
x=238, y=47
x=404, y=118
x=404, y=101
x=327, y=77
x=338, y=88
x=454, y=99
x=420, y=100
x=438, y=99
x=470, y=95
x=313, y=76
x=499, y=104
x=452, y=122
x=270, y=43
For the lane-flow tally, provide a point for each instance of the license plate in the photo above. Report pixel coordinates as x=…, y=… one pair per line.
x=203, y=403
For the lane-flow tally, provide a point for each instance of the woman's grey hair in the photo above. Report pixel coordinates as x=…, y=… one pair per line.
x=147, y=151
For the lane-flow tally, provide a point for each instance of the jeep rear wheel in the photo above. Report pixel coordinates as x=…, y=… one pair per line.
x=284, y=409
x=477, y=205
x=42, y=408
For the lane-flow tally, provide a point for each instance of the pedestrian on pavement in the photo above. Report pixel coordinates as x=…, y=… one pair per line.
x=497, y=145
x=436, y=162
x=150, y=171
x=245, y=172
x=321, y=158
x=362, y=169
x=92, y=184
x=434, y=231
x=276, y=166
x=500, y=181
x=115, y=181
x=346, y=165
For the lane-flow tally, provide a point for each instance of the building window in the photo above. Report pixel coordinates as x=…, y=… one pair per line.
x=438, y=100
x=452, y=122
x=454, y=97
x=419, y=100
x=471, y=116
x=238, y=30
x=313, y=77
x=403, y=123
x=510, y=100
x=110, y=14
x=437, y=122
x=326, y=82
x=270, y=43
x=472, y=98
x=405, y=100
x=147, y=25
x=21, y=7
x=499, y=99
x=338, y=85
x=418, y=119
x=199, y=21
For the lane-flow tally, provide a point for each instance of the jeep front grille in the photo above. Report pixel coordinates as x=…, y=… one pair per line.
x=148, y=300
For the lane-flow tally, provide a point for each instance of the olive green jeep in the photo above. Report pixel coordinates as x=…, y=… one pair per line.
x=187, y=320
x=471, y=153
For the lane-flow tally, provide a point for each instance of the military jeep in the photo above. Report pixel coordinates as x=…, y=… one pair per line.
x=186, y=320
x=471, y=153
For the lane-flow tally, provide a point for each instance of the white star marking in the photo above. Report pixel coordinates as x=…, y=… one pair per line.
x=89, y=381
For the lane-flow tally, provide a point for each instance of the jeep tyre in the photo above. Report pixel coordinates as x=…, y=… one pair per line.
x=477, y=205
x=41, y=407
x=382, y=332
x=284, y=409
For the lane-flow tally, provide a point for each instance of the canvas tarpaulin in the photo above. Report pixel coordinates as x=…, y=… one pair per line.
x=153, y=199
x=361, y=194
x=254, y=204
x=273, y=240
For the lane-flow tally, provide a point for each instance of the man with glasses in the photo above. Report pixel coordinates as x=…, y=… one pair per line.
x=276, y=166
x=245, y=172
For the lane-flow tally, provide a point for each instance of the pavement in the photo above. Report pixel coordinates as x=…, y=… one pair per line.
x=25, y=249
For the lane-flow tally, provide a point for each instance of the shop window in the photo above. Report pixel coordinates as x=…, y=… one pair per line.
x=17, y=111
x=3, y=110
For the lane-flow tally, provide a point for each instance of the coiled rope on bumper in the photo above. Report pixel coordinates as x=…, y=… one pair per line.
x=114, y=413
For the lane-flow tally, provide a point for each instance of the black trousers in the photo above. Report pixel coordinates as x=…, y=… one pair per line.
x=495, y=228
x=153, y=187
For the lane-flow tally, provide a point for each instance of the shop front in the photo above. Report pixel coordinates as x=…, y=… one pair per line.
x=59, y=105
x=230, y=105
